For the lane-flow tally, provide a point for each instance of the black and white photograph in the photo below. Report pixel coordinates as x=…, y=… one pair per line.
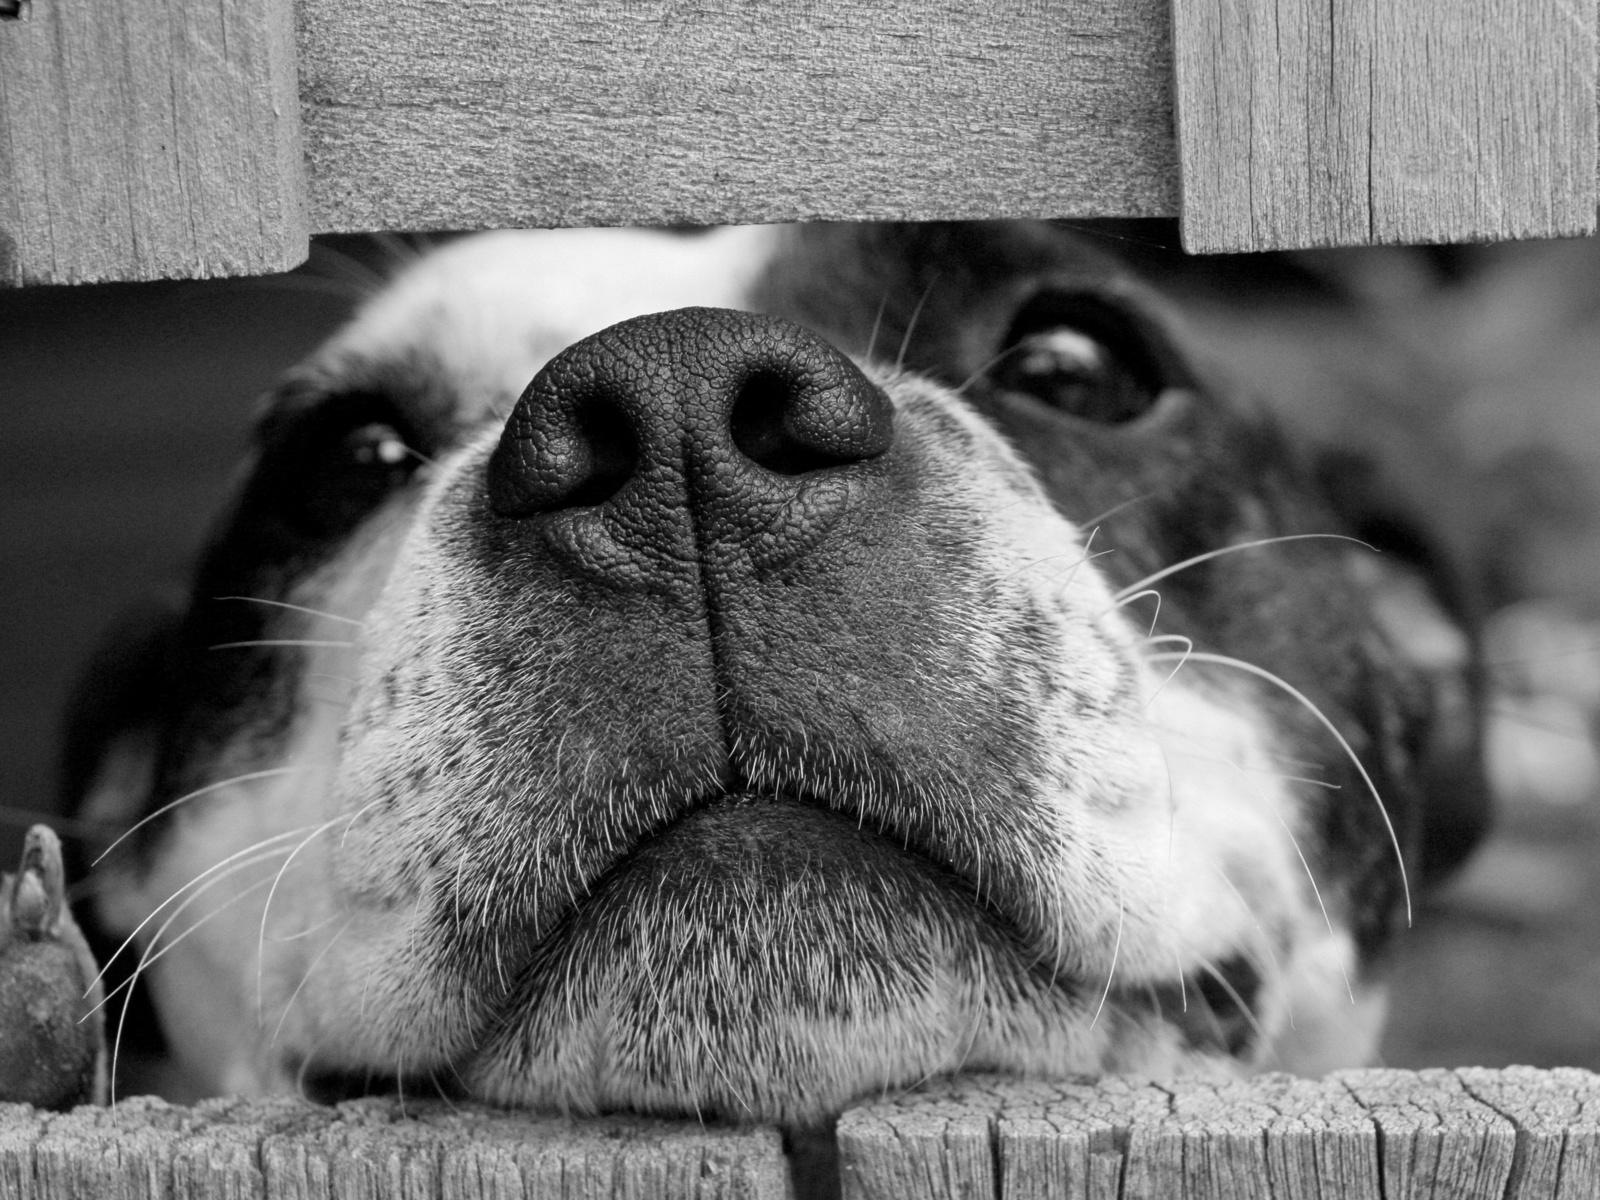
x=714, y=601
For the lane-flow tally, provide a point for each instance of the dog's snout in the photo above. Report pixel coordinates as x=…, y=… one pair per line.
x=723, y=398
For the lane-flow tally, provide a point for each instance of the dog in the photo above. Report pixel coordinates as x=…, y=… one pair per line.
x=861, y=653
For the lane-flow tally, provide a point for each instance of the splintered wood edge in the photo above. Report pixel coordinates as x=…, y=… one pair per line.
x=1517, y=1134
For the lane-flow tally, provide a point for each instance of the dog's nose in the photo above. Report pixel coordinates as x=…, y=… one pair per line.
x=728, y=402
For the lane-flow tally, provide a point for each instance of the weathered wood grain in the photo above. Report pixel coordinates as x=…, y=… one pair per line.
x=1308, y=123
x=150, y=140
x=1438, y=1142
x=373, y=1150
x=142, y=141
x=489, y=113
x=1519, y=1133
x=1397, y=1135
x=1557, y=1119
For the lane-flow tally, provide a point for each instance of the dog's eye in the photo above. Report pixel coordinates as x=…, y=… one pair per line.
x=1080, y=356
x=377, y=447
x=368, y=463
x=332, y=479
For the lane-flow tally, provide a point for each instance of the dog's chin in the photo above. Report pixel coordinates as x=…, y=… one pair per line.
x=763, y=959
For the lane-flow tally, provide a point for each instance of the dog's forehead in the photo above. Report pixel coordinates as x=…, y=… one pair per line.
x=463, y=329
x=466, y=326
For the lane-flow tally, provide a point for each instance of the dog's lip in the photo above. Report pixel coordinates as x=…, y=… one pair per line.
x=828, y=810
x=724, y=897
x=755, y=801
x=836, y=822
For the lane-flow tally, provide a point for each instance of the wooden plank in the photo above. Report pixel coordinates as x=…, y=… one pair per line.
x=1518, y=1133
x=929, y=1144
x=374, y=1150
x=1308, y=123
x=490, y=113
x=1557, y=1119
x=1438, y=1141
x=1398, y=1135
x=142, y=141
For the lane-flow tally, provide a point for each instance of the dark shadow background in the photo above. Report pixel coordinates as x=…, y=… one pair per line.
x=124, y=409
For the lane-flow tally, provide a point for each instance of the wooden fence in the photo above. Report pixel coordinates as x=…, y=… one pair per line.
x=1472, y=1134
x=212, y=137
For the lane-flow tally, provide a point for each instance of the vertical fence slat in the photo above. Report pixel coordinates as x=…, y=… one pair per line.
x=149, y=140
x=1310, y=123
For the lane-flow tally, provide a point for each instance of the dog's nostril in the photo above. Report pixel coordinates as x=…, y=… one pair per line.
x=613, y=454
x=758, y=427
x=794, y=425
x=562, y=451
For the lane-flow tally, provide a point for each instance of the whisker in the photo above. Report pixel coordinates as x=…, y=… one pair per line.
x=185, y=798
x=1116, y=948
x=211, y=870
x=1239, y=664
x=1244, y=1008
x=1039, y=562
x=305, y=1070
x=299, y=608
x=281, y=642
x=266, y=909
x=911, y=325
x=1266, y=942
x=306, y=932
x=1088, y=544
x=1293, y=841
x=985, y=368
x=1238, y=766
x=1154, y=617
x=145, y=962
x=153, y=955
x=1188, y=649
x=1166, y=887
x=1087, y=228
x=1116, y=508
x=877, y=324
x=1210, y=554
x=304, y=979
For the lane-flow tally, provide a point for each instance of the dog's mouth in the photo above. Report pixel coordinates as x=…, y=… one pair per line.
x=776, y=942
x=766, y=955
x=745, y=881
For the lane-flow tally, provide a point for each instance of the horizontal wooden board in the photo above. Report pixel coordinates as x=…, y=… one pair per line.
x=1395, y=1135
x=169, y=143
x=142, y=141
x=1516, y=1134
x=487, y=113
x=373, y=1150
x=1304, y=123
